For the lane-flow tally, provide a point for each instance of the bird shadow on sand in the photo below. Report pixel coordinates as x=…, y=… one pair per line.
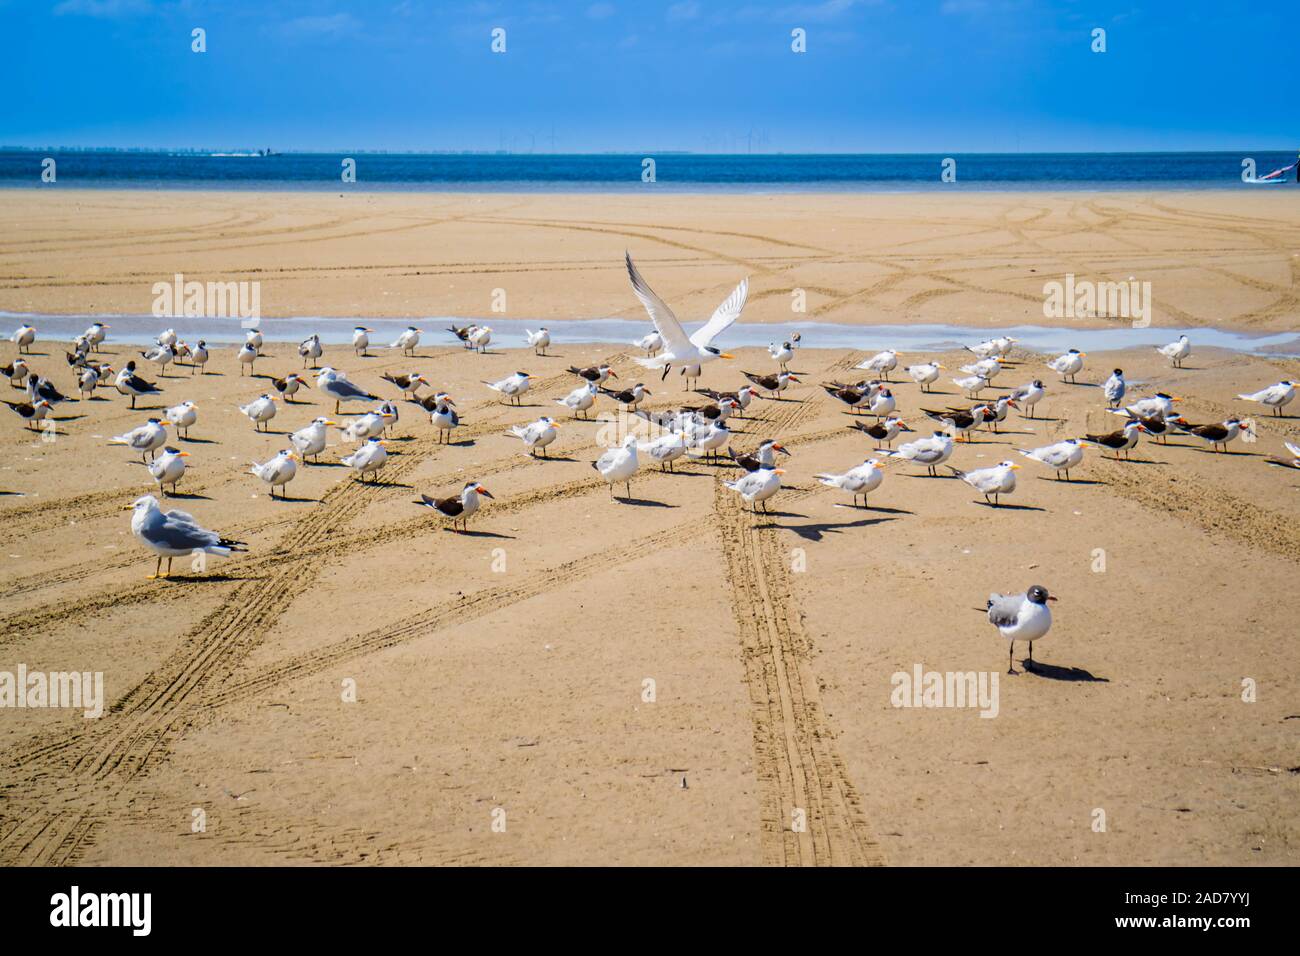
x=815, y=531
x=198, y=441
x=381, y=484
x=325, y=464
x=1052, y=672
x=643, y=502
x=552, y=458
x=481, y=534
x=932, y=477
x=1072, y=481
x=203, y=578
x=311, y=501
x=1006, y=507
x=66, y=418
x=185, y=495
x=875, y=509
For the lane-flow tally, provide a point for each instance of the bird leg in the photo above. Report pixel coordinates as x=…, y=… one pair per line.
x=1029, y=663
x=1011, y=664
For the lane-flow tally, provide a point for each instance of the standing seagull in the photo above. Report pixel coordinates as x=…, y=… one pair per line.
x=924, y=374
x=336, y=385
x=1115, y=388
x=1030, y=395
x=512, y=386
x=260, y=411
x=1061, y=456
x=146, y=439
x=408, y=340
x=183, y=416
x=368, y=459
x=650, y=343
x=539, y=341
x=1275, y=397
x=580, y=399
x=882, y=363
x=931, y=452
x=1021, y=617
x=618, y=465
x=1176, y=351
x=174, y=534
x=860, y=480
x=995, y=481
x=680, y=350
x=757, y=486
x=536, y=435
x=247, y=356
x=361, y=341
x=23, y=337
x=168, y=468
x=311, y=439
x=310, y=350
x=276, y=471
x=781, y=355
x=1068, y=365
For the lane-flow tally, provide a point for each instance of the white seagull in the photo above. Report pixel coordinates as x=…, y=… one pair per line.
x=539, y=341
x=1275, y=397
x=512, y=386
x=311, y=439
x=995, y=481
x=173, y=534
x=260, y=411
x=1021, y=617
x=536, y=435
x=678, y=349
x=168, y=468
x=1068, y=364
x=277, y=471
x=336, y=385
x=580, y=399
x=368, y=459
x=146, y=439
x=757, y=486
x=408, y=340
x=183, y=416
x=860, y=480
x=1061, y=456
x=1176, y=351
x=618, y=465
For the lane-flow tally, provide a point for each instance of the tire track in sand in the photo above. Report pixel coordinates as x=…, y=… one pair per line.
x=796, y=761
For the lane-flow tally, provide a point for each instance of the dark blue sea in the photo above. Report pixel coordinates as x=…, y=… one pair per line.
x=673, y=172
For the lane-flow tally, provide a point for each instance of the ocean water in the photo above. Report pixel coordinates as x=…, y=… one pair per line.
x=674, y=172
x=918, y=340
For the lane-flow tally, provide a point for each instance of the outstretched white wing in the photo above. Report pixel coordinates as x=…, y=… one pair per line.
x=670, y=329
x=723, y=316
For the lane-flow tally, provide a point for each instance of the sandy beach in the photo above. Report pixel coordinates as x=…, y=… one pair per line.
x=1224, y=259
x=501, y=675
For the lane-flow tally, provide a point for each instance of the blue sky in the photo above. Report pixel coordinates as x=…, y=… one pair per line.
x=944, y=76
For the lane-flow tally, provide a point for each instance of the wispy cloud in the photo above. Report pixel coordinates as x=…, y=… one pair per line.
x=104, y=9
x=335, y=24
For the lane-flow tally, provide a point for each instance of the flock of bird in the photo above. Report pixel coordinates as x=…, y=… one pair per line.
x=697, y=430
